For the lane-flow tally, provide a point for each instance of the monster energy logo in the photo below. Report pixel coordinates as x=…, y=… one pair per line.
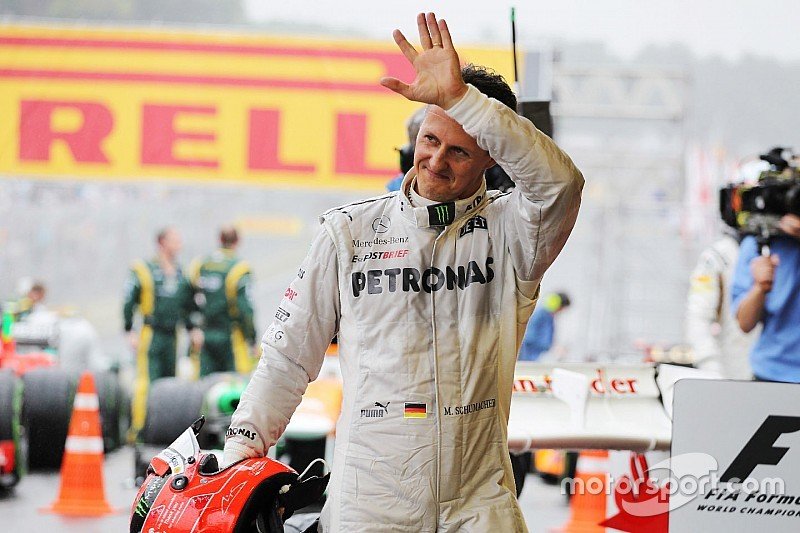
x=142, y=507
x=441, y=214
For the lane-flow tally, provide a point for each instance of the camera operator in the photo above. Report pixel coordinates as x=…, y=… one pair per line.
x=766, y=289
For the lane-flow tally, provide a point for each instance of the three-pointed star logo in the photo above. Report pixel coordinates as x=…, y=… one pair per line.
x=381, y=224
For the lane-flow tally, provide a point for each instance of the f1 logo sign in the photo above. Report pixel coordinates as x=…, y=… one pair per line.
x=759, y=450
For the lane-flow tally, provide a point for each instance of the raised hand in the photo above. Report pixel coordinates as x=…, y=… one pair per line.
x=438, y=70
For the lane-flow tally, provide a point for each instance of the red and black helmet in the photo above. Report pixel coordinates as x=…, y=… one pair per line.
x=185, y=491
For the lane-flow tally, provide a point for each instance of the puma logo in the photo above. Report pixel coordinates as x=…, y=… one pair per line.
x=376, y=413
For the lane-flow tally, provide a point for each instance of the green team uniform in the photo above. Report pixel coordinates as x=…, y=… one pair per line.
x=223, y=280
x=22, y=309
x=164, y=302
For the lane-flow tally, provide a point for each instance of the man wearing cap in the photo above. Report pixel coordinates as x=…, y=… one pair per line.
x=541, y=330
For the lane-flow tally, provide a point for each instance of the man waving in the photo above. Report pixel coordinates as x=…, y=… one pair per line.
x=428, y=289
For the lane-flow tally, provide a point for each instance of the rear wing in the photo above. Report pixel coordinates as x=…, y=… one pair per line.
x=611, y=407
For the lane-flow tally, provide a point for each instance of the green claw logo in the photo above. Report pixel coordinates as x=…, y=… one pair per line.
x=142, y=507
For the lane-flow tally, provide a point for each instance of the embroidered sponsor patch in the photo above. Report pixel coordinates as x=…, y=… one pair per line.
x=282, y=314
x=381, y=224
x=273, y=334
x=415, y=410
x=476, y=222
x=441, y=214
x=381, y=241
x=407, y=279
x=234, y=431
x=386, y=254
x=376, y=411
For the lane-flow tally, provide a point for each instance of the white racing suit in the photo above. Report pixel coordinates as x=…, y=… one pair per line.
x=719, y=344
x=430, y=305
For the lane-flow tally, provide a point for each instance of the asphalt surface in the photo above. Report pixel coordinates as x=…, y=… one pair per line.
x=20, y=511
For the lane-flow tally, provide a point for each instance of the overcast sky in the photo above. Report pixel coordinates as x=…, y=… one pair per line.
x=727, y=28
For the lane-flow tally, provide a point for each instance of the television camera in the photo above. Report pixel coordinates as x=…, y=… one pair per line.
x=756, y=209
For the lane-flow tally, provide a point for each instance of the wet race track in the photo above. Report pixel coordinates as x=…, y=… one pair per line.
x=543, y=506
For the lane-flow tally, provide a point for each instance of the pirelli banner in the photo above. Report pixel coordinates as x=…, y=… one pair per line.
x=146, y=105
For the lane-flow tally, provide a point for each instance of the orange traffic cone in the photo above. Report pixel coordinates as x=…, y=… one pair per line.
x=82, y=492
x=588, y=502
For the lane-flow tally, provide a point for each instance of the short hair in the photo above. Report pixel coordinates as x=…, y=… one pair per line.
x=414, y=123
x=228, y=236
x=489, y=83
x=162, y=234
x=38, y=286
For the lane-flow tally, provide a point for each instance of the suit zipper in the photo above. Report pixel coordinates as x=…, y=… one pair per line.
x=436, y=387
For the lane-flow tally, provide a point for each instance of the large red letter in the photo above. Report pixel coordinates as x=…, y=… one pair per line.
x=263, y=149
x=159, y=135
x=351, y=142
x=36, y=133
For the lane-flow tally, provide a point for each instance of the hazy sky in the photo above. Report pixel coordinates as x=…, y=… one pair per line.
x=728, y=28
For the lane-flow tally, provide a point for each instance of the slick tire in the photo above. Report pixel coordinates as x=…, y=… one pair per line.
x=111, y=398
x=521, y=465
x=48, y=395
x=11, y=427
x=172, y=405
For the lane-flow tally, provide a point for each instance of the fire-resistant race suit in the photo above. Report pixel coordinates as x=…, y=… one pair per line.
x=719, y=344
x=430, y=304
x=164, y=302
x=223, y=280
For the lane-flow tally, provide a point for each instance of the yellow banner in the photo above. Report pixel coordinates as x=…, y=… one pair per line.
x=146, y=105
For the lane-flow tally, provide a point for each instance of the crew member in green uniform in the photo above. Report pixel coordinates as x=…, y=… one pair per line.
x=165, y=300
x=222, y=280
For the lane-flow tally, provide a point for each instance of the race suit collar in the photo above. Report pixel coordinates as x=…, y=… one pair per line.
x=426, y=213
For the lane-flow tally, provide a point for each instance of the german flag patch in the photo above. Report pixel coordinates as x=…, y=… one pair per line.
x=415, y=410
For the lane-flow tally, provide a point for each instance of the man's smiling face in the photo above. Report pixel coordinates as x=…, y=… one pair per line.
x=449, y=163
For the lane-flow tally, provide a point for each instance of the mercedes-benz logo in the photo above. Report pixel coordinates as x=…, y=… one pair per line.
x=381, y=224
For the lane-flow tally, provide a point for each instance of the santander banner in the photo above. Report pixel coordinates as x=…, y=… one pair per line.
x=139, y=105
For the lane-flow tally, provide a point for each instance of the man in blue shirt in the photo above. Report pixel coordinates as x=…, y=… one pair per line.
x=541, y=327
x=766, y=289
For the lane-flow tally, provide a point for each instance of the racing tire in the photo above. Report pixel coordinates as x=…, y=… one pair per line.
x=11, y=429
x=111, y=398
x=48, y=395
x=521, y=465
x=173, y=404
